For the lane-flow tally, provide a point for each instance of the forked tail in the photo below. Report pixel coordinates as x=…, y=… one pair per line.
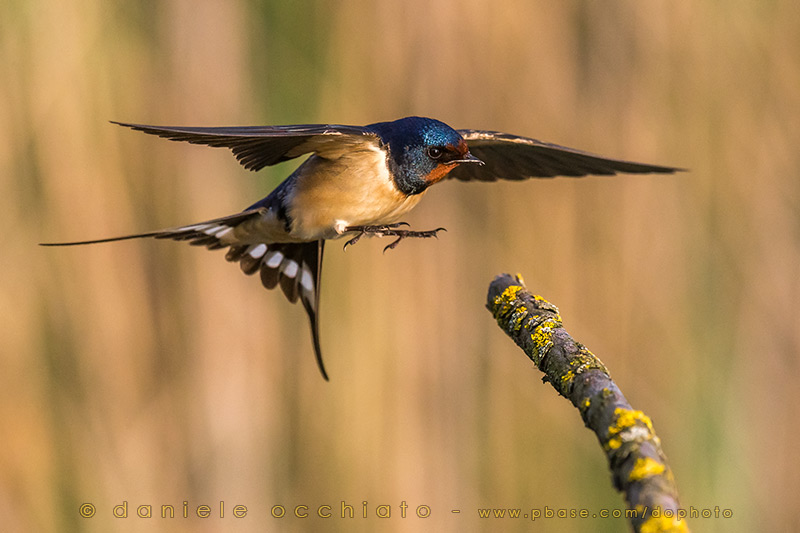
x=295, y=267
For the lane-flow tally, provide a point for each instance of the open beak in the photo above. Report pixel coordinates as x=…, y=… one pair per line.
x=469, y=158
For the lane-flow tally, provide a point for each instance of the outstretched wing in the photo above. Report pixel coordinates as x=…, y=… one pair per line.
x=511, y=157
x=259, y=146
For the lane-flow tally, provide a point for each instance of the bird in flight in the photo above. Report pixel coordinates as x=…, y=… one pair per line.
x=358, y=180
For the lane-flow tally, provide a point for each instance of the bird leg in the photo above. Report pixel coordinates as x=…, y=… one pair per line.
x=389, y=230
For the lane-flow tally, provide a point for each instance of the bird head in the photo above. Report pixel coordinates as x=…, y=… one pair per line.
x=421, y=151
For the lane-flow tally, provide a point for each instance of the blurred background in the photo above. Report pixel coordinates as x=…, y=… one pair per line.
x=155, y=373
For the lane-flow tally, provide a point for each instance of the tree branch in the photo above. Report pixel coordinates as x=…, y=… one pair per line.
x=638, y=465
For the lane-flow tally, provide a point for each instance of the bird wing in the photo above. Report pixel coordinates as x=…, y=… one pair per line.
x=259, y=146
x=511, y=157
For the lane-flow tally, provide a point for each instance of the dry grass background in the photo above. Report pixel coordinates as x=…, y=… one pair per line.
x=155, y=373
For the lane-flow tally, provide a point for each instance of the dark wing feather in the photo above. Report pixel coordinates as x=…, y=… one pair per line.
x=510, y=157
x=256, y=147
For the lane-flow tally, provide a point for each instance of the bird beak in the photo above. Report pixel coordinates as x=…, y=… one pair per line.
x=469, y=158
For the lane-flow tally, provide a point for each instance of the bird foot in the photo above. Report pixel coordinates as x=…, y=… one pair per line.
x=389, y=230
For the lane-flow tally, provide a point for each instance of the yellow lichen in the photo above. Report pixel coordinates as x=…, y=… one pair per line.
x=517, y=317
x=662, y=524
x=542, y=337
x=542, y=303
x=623, y=428
x=506, y=300
x=645, y=467
x=587, y=403
x=509, y=294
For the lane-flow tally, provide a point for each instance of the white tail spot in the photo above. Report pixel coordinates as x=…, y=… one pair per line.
x=196, y=227
x=273, y=259
x=224, y=231
x=307, y=280
x=289, y=268
x=257, y=250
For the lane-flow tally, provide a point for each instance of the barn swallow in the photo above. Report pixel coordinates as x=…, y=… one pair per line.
x=358, y=180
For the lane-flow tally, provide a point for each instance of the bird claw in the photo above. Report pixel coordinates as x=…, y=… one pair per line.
x=389, y=230
x=370, y=230
x=404, y=234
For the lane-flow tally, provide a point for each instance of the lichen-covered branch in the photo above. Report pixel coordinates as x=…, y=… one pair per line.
x=639, y=467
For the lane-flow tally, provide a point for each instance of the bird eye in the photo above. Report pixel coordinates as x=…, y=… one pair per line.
x=434, y=152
